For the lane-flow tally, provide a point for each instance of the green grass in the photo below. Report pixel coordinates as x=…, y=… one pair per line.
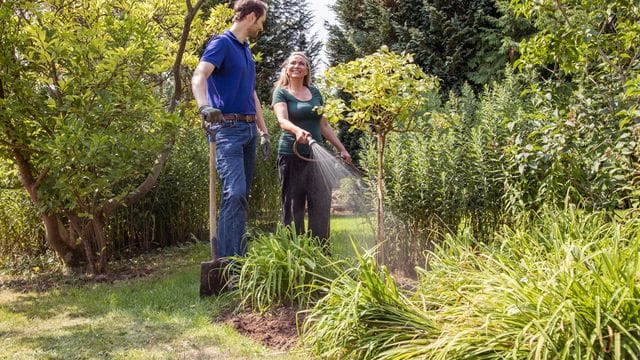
x=158, y=317
x=359, y=228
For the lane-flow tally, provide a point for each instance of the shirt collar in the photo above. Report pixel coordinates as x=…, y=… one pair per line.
x=233, y=36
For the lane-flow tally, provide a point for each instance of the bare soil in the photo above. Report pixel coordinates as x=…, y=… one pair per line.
x=54, y=279
x=276, y=329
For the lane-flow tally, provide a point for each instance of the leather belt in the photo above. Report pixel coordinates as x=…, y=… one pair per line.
x=239, y=117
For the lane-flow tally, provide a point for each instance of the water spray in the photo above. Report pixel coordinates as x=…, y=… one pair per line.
x=323, y=158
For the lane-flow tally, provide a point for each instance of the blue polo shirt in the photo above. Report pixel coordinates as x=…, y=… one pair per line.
x=231, y=85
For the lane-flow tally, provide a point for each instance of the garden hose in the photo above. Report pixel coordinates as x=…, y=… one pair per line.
x=295, y=150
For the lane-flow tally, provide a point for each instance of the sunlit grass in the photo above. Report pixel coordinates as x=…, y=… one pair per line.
x=161, y=317
x=156, y=317
x=345, y=228
x=560, y=284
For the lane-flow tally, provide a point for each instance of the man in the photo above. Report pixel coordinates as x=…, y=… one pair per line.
x=223, y=85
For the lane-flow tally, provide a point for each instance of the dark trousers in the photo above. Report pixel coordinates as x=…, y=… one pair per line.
x=302, y=185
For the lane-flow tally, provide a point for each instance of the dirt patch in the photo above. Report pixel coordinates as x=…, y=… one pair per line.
x=276, y=329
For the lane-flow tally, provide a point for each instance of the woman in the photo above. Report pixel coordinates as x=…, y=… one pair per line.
x=295, y=102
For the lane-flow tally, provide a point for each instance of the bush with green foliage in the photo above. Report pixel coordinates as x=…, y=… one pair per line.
x=21, y=231
x=584, y=68
x=84, y=119
x=456, y=168
x=176, y=210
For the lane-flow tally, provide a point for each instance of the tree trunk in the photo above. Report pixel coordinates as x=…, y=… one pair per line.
x=70, y=255
x=381, y=254
x=93, y=240
x=67, y=251
x=97, y=227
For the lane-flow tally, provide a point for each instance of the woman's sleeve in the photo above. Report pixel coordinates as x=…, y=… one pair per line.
x=278, y=96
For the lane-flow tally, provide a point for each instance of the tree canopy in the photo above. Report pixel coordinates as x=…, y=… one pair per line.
x=457, y=41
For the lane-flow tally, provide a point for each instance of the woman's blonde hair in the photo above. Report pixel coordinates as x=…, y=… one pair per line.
x=283, y=79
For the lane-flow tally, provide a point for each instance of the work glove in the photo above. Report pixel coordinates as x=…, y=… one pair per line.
x=210, y=115
x=265, y=145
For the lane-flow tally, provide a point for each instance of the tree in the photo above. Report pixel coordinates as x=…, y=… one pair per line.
x=452, y=40
x=88, y=100
x=458, y=41
x=584, y=68
x=389, y=94
x=358, y=31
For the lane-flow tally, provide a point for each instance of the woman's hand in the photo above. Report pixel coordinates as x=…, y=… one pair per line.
x=344, y=155
x=302, y=136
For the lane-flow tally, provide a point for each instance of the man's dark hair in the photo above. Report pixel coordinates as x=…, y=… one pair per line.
x=243, y=8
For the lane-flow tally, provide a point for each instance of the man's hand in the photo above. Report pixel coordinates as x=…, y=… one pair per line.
x=265, y=145
x=210, y=115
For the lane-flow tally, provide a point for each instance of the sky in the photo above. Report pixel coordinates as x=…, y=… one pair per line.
x=321, y=12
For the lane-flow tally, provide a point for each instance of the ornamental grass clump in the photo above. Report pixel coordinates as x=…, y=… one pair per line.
x=560, y=286
x=365, y=316
x=283, y=268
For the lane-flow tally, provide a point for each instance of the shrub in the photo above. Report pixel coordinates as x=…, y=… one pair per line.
x=21, y=230
x=176, y=210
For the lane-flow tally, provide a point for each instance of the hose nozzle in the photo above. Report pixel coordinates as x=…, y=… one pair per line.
x=311, y=141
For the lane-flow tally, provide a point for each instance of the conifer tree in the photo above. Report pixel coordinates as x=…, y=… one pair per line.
x=457, y=40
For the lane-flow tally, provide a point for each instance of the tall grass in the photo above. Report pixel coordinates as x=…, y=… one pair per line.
x=558, y=285
x=366, y=316
x=21, y=231
x=283, y=268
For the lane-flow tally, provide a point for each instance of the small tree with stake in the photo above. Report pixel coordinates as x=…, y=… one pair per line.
x=388, y=93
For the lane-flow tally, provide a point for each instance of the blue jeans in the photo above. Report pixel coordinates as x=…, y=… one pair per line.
x=236, y=143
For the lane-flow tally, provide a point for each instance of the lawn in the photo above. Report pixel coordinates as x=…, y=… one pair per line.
x=345, y=228
x=156, y=316
x=160, y=316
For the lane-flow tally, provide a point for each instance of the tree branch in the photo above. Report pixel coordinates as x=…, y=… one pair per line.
x=177, y=93
x=152, y=178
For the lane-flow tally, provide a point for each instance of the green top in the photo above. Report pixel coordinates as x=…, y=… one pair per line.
x=302, y=114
